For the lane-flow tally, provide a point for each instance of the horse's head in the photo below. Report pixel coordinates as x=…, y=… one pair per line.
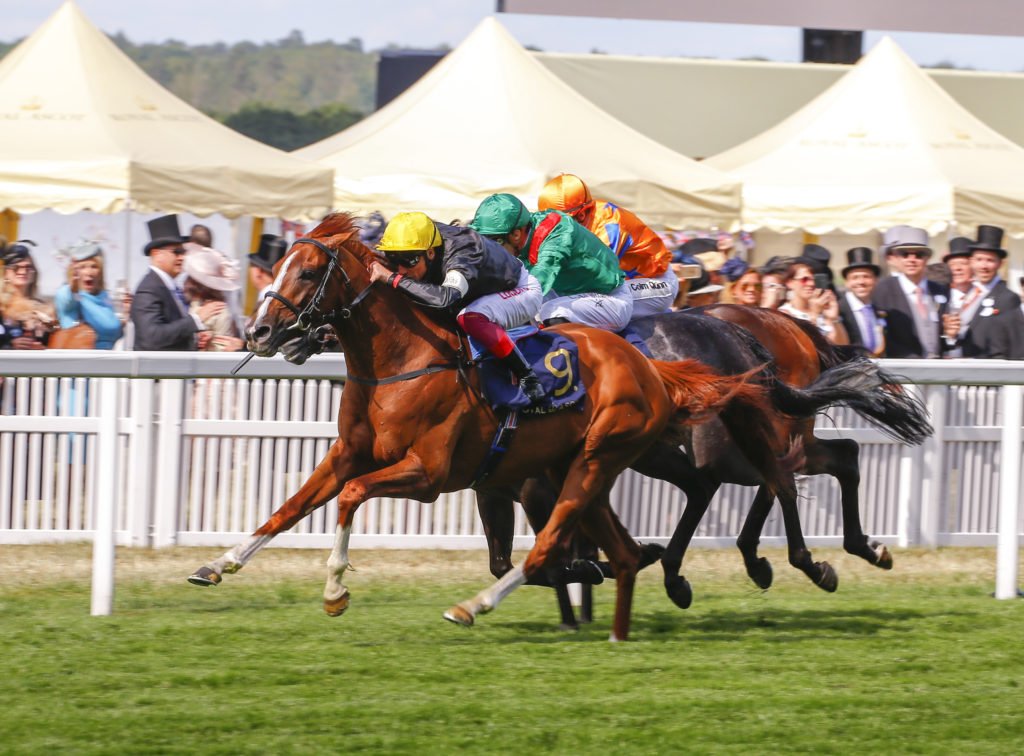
x=317, y=283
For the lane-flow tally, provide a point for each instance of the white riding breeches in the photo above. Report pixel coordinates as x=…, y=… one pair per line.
x=653, y=295
x=511, y=308
x=610, y=312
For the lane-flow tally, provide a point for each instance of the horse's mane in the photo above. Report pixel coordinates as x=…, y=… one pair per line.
x=342, y=224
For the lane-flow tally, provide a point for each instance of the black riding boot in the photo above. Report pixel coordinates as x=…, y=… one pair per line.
x=528, y=380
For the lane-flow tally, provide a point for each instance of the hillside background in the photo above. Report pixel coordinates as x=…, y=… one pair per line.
x=286, y=93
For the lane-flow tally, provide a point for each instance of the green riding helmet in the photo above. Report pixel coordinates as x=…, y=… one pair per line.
x=500, y=215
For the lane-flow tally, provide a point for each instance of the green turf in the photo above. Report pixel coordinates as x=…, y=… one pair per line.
x=922, y=661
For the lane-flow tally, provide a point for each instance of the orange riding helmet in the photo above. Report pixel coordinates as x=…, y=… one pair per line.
x=567, y=193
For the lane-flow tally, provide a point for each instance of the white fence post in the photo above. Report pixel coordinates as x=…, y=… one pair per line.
x=139, y=491
x=1007, y=550
x=106, y=500
x=932, y=474
x=168, y=456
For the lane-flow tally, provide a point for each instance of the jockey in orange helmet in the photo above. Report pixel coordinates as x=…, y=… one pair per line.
x=642, y=255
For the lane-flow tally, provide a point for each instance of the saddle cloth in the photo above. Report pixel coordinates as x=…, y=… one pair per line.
x=554, y=359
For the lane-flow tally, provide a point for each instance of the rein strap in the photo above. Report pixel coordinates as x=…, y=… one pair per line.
x=435, y=368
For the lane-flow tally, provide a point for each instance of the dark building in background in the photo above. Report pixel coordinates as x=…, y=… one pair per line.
x=832, y=46
x=397, y=70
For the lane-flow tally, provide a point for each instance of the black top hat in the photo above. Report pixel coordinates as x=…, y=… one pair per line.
x=860, y=257
x=18, y=251
x=990, y=239
x=959, y=247
x=163, y=232
x=272, y=248
x=817, y=257
x=696, y=247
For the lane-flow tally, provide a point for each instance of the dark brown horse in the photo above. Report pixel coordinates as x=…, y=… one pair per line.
x=717, y=450
x=412, y=422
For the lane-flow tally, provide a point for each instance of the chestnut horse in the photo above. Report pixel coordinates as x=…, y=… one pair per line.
x=801, y=356
x=412, y=422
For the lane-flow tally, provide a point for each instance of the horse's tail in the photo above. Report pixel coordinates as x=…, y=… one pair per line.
x=698, y=392
x=893, y=410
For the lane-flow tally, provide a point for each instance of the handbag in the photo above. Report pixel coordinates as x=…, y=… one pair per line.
x=80, y=336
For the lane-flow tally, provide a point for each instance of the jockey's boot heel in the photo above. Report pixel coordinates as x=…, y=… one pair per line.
x=528, y=380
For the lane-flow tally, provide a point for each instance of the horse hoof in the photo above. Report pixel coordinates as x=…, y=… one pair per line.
x=584, y=571
x=649, y=554
x=204, y=576
x=679, y=590
x=761, y=573
x=336, y=607
x=884, y=557
x=829, y=579
x=459, y=615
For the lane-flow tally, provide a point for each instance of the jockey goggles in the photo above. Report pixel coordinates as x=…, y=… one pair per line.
x=402, y=259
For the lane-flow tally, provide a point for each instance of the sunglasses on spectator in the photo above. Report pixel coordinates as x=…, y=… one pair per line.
x=748, y=286
x=403, y=261
x=23, y=268
x=804, y=279
x=920, y=254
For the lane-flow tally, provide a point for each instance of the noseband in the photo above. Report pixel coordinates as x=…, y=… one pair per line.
x=311, y=316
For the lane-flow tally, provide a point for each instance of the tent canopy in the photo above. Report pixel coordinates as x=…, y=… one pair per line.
x=490, y=118
x=83, y=128
x=883, y=146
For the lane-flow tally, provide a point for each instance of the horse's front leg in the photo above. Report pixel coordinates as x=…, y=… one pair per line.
x=407, y=478
x=324, y=484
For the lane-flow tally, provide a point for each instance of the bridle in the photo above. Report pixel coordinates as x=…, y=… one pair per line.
x=311, y=316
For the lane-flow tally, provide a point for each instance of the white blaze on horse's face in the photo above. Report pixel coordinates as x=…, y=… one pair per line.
x=276, y=286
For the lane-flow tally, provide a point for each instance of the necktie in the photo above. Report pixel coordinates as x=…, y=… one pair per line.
x=870, y=336
x=180, y=296
x=922, y=308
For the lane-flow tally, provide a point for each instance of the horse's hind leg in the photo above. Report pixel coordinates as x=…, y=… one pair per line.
x=840, y=458
x=821, y=573
x=671, y=464
x=758, y=568
x=324, y=484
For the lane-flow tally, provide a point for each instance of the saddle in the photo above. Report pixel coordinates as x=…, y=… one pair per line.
x=555, y=360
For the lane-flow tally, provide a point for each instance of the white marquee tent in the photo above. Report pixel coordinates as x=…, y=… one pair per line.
x=883, y=146
x=490, y=118
x=83, y=128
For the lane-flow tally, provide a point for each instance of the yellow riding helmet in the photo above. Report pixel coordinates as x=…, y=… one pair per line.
x=565, y=192
x=410, y=232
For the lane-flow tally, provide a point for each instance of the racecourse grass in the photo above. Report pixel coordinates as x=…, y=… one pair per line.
x=918, y=660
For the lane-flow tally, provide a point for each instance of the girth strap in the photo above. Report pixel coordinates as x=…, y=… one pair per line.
x=502, y=440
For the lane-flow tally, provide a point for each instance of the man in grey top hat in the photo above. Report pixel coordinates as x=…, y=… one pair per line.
x=989, y=322
x=913, y=305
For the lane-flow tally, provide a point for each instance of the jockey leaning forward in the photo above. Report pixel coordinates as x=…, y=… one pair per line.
x=456, y=269
x=642, y=255
x=578, y=273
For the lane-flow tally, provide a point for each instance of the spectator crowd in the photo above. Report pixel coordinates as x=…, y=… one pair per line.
x=924, y=303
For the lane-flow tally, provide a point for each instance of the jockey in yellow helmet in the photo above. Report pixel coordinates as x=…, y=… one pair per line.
x=456, y=269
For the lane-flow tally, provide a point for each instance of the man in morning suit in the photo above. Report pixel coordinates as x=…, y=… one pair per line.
x=159, y=310
x=989, y=323
x=863, y=323
x=912, y=304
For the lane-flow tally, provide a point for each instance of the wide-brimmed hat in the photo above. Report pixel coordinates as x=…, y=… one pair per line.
x=816, y=257
x=163, y=232
x=901, y=237
x=959, y=247
x=990, y=239
x=272, y=248
x=211, y=268
x=861, y=258
x=692, y=248
x=18, y=251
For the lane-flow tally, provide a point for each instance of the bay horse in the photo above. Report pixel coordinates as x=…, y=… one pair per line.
x=715, y=452
x=413, y=424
